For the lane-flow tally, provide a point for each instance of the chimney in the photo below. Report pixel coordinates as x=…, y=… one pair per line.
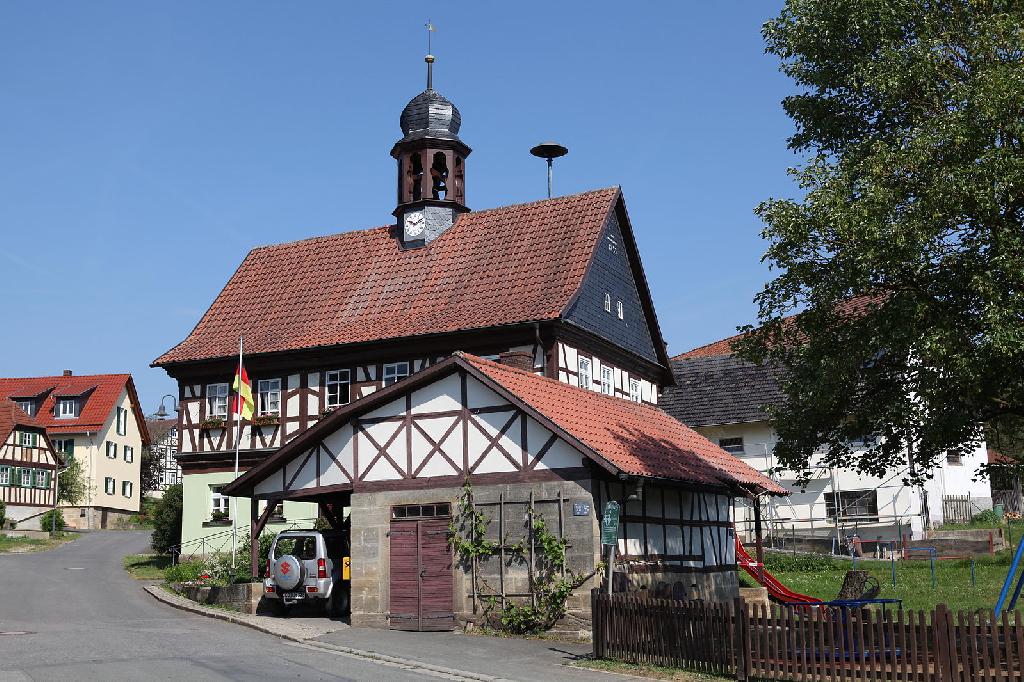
x=519, y=359
x=67, y=372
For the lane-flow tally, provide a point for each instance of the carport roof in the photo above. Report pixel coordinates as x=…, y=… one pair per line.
x=621, y=436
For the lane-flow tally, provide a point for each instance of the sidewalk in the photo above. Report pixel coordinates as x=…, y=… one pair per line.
x=452, y=654
x=495, y=657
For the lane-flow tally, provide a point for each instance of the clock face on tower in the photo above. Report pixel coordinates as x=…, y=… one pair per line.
x=414, y=223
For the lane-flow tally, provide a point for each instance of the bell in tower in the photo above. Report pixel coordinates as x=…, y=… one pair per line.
x=431, y=166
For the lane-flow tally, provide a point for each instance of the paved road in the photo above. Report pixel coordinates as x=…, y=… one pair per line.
x=96, y=623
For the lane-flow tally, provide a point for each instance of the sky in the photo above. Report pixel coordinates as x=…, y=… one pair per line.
x=146, y=146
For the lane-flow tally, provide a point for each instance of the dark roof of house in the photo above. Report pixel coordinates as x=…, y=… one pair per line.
x=623, y=436
x=100, y=393
x=721, y=389
x=505, y=266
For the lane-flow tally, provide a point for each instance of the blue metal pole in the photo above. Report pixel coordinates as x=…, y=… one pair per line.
x=1016, y=593
x=1009, y=577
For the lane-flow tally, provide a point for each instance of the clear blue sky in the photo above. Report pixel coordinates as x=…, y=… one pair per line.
x=145, y=147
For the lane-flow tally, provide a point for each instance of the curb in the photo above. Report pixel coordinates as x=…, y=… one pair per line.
x=171, y=599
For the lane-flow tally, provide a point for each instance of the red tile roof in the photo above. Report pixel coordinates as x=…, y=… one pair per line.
x=627, y=437
x=855, y=306
x=636, y=439
x=362, y=286
x=101, y=392
x=12, y=416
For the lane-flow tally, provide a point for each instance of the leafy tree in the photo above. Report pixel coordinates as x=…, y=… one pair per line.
x=167, y=520
x=52, y=520
x=906, y=251
x=149, y=471
x=71, y=484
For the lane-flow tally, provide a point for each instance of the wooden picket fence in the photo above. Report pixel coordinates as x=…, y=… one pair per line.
x=808, y=644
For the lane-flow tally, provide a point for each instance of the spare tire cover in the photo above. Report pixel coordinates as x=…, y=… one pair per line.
x=288, y=572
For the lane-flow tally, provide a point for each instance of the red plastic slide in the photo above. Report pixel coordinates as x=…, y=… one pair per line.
x=776, y=590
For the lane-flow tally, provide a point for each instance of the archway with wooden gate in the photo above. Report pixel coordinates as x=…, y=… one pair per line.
x=421, y=577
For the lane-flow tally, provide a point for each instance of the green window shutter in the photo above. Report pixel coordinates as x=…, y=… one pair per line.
x=16, y=477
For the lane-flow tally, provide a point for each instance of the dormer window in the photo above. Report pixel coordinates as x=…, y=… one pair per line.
x=67, y=408
x=27, y=406
x=607, y=303
x=619, y=309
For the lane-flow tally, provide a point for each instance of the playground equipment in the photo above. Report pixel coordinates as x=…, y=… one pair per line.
x=1009, y=579
x=776, y=590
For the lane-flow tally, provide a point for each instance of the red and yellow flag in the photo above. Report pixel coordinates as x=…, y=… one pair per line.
x=243, y=393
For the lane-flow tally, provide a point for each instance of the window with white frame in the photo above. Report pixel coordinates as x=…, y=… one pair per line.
x=269, y=391
x=339, y=386
x=122, y=421
x=607, y=303
x=28, y=439
x=126, y=488
x=218, y=503
x=26, y=478
x=42, y=478
x=217, y=401
x=129, y=453
x=607, y=380
x=5, y=475
x=395, y=371
x=67, y=408
x=27, y=406
x=583, y=368
x=732, y=445
x=111, y=450
x=109, y=485
x=634, y=390
x=619, y=310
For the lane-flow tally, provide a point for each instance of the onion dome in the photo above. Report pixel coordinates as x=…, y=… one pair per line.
x=430, y=115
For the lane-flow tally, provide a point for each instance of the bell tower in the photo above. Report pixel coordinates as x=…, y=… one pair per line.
x=431, y=166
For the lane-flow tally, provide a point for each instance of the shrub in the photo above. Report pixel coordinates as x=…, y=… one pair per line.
x=167, y=520
x=51, y=519
x=186, y=571
x=986, y=517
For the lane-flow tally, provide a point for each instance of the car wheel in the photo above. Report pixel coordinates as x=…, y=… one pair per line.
x=340, y=602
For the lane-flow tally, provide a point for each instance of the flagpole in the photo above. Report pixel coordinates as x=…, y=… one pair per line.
x=238, y=442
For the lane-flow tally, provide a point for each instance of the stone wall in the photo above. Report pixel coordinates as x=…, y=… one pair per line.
x=718, y=585
x=371, y=518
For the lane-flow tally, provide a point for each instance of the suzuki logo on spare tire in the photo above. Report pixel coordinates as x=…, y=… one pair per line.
x=288, y=571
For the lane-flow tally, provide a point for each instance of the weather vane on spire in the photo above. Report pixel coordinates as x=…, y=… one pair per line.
x=429, y=59
x=430, y=29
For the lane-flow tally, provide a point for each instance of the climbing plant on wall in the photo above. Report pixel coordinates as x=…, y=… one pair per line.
x=541, y=552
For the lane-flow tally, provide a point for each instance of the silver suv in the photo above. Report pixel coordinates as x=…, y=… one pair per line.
x=307, y=565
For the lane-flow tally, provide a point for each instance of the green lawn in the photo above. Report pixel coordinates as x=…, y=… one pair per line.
x=147, y=566
x=654, y=672
x=10, y=545
x=823, y=579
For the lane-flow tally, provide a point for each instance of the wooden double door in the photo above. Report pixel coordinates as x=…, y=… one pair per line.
x=421, y=575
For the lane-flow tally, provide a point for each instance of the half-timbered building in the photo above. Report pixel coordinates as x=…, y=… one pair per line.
x=556, y=286
x=28, y=465
x=97, y=420
x=529, y=446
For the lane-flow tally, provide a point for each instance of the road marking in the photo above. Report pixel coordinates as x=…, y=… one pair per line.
x=16, y=632
x=395, y=662
x=74, y=568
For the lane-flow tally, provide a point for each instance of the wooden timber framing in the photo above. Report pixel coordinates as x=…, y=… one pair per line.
x=35, y=456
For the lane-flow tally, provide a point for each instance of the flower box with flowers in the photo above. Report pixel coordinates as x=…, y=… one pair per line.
x=211, y=423
x=266, y=420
